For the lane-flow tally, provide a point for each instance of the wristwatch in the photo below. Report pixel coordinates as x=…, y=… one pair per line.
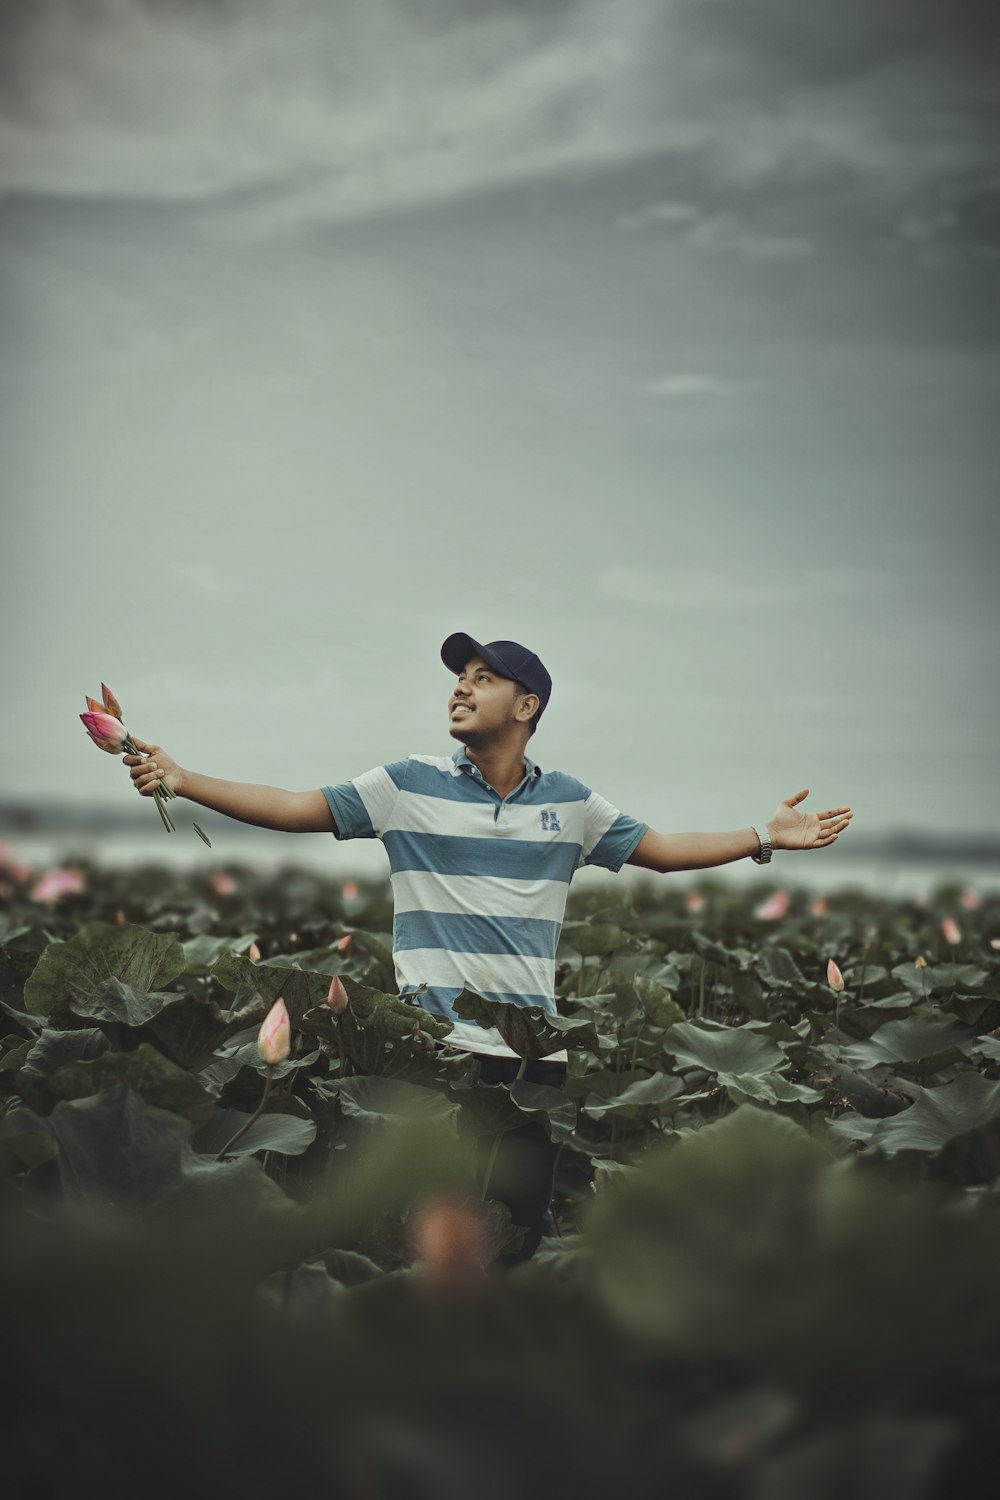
x=763, y=856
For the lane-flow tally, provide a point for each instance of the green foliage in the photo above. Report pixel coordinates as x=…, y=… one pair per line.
x=773, y=1271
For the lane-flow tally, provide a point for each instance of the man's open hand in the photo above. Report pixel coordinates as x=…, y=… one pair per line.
x=790, y=829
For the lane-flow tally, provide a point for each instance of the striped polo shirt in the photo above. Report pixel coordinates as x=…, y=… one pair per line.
x=480, y=882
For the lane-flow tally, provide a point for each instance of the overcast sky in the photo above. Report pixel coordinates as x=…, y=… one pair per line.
x=659, y=336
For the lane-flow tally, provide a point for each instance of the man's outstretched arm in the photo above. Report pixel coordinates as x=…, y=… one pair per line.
x=787, y=829
x=263, y=806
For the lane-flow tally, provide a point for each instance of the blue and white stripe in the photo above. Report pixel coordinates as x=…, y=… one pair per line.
x=479, y=882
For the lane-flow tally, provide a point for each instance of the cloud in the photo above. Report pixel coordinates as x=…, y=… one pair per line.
x=203, y=578
x=718, y=591
x=657, y=214
x=355, y=107
x=279, y=114
x=696, y=387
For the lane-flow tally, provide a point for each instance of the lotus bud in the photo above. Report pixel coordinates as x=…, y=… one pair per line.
x=222, y=884
x=349, y=890
x=94, y=706
x=275, y=1036
x=775, y=907
x=104, y=730
x=344, y=944
x=818, y=907
x=995, y=944
x=969, y=898
x=834, y=978
x=694, y=901
x=920, y=962
x=951, y=931
x=253, y=952
x=337, y=998
x=111, y=702
x=449, y=1244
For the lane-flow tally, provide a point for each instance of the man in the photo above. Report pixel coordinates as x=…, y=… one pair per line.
x=482, y=847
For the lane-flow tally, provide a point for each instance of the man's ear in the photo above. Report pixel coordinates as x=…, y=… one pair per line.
x=528, y=706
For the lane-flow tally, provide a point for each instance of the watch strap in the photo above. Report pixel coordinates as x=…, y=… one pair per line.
x=763, y=856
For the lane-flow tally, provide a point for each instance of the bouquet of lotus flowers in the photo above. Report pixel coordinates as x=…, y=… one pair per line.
x=104, y=724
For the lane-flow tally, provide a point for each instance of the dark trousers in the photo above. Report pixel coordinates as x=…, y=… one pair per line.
x=525, y=1163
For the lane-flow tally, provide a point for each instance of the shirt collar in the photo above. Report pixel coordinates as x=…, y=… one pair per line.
x=463, y=763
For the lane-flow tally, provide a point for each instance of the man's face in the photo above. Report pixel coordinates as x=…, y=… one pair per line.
x=481, y=706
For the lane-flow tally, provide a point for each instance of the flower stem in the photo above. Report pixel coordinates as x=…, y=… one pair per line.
x=491, y=1163
x=253, y=1118
x=168, y=825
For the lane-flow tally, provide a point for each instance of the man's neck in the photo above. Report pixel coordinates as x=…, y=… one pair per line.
x=502, y=766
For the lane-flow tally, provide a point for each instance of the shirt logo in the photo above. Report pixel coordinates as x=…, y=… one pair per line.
x=550, y=823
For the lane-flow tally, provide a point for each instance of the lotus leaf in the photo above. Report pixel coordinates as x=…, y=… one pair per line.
x=730, y=1049
x=73, y=971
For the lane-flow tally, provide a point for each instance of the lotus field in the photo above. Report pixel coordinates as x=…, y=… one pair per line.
x=252, y=1249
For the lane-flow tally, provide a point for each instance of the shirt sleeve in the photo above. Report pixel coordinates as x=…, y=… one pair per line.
x=362, y=808
x=609, y=836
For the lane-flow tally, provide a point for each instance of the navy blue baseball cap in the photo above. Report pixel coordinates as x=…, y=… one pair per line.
x=507, y=658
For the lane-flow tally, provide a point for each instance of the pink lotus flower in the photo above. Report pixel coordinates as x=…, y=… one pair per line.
x=950, y=930
x=969, y=898
x=349, y=890
x=344, y=944
x=105, y=730
x=694, y=901
x=274, y=1039
x=337, y=997
x=818, y=907
x=104, y=724
x=775, y=907
x=834, y=978
x=253, y=952
x=449, y=1243
x=53, y=886
x=222, y=884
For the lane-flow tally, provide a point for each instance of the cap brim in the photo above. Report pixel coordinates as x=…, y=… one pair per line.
x=460, y=648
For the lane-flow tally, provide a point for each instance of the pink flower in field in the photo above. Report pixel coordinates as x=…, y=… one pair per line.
x=818, y=907
x=275, y=1036
x=253, y=952
x=111, y=702
x=344, y=944
x=105, y=730
x=969, y=898
x=694, y=901
x=349, y=890
x=222, y=884
x=775, y=907
x=834, y=978
x=53, y=886
x=950, y=930
x=337, y=997
x=448, y=1239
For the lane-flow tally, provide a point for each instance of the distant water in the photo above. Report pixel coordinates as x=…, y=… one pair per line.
x=823, y=870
